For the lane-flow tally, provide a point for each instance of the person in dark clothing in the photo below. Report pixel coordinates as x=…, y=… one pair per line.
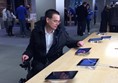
x=81, y=16
x=114, y=18
x=104, y=19
x=95, y=13
x=47, y=42
x=65, y=17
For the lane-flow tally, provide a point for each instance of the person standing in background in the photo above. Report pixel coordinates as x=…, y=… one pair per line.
x=89, y=18
x=114, y=18
x=104, y=19
x=4, y=18
x=21, y=14
x=81, y=17
x=65, y=16
x=10, y=21
x=8, y=18
x=95, y=13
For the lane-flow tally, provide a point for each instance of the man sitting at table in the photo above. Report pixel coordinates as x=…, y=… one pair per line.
x=47, y=42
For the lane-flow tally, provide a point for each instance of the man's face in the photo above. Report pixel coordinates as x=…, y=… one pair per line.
x=54, y=21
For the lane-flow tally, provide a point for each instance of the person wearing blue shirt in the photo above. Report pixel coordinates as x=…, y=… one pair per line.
x=21, y=13
x=89, y=17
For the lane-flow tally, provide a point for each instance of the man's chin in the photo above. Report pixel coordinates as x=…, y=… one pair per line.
x=54, y=28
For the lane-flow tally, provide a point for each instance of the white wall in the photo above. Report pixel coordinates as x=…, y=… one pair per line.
x=33, y=2
x=60, y=8
x=43, y=5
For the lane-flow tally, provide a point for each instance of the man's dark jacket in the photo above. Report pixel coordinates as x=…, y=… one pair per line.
x=82, y=13
x=114, y=16
x=37, y=46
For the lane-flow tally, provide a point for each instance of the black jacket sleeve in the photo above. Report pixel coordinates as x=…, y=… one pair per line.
x=29, y=49
x=71, y=43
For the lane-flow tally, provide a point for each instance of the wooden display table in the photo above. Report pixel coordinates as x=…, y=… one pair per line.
x=106, y=51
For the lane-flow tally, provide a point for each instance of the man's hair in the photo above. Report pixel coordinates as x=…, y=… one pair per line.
x=84, y=3
x=50, y=12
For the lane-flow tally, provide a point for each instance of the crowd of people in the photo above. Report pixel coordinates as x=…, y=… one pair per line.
x=82, y=16
x=48, y=38
x=109, y=18
x=21, y=15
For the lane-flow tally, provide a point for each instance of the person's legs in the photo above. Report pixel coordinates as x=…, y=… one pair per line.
x=6, y=26
x=10, y=30
x=30, y=74
x=22, y=27
x=116, y=28
x=79, y=29
x=94, y=18
x=83, y=27
x=88, y=26
x=112, y=28
x=35, y=69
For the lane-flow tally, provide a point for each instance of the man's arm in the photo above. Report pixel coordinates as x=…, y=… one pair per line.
x=71, y=42
x=29, y=50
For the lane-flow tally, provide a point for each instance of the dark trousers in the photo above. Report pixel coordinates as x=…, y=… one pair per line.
x=10, y=32
x=88, y=25
x=81, y=27
x=113, y=28
x=22, y=27
x=95, y=18
x=9, y=27
x=35, y=69
x=103, y=26
x=6, y=26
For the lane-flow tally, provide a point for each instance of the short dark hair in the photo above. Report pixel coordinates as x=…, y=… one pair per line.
x=84, y=3
x=50, y=12
x=87, y=5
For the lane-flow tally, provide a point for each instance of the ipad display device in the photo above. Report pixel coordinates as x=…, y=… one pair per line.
x=61, y=75
x=88, y=62
x=95, y=40
x=105, y=37
x=81, y=51
x=100, y=33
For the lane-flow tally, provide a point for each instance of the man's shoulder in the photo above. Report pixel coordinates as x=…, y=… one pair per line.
x=39, y=25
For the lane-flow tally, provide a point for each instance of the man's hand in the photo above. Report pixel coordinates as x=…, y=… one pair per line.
x=25, y=57
x=80, y=43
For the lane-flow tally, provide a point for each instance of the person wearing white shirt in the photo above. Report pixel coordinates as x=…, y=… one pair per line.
x=47, y=41
x=8, y=18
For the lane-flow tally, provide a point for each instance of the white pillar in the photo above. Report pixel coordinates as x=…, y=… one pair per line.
x=43, y=5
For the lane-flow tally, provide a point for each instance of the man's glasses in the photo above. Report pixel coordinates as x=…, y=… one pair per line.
x=55, y=21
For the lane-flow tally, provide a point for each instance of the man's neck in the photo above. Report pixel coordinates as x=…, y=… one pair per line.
x=48, y=29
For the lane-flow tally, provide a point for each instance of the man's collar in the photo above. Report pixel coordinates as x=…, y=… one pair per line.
x=47, y=31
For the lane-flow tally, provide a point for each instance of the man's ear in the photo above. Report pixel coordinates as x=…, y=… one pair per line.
x=47, y=20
